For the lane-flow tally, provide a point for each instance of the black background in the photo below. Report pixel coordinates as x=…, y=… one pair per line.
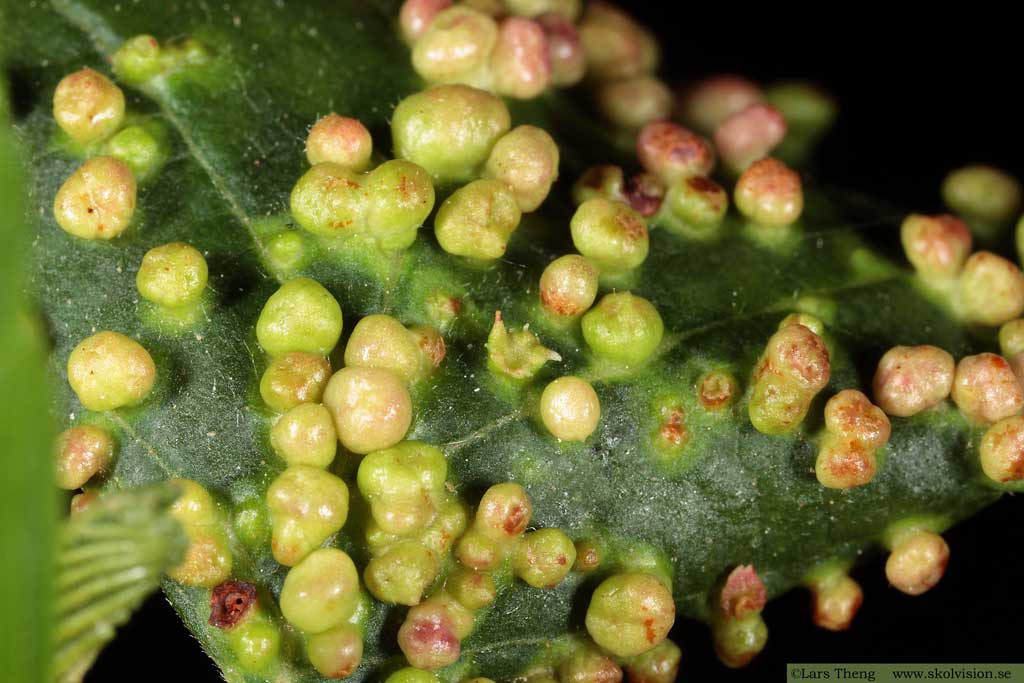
x=918, y=97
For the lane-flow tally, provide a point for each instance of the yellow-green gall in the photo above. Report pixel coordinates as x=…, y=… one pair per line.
x=399, y=197
x=985, y=388
x=917, y=561
x=769, y=193
x=658, y=665
x=456, y=47
x=617, y=47
x=504, y=512
x=300, y=316
x=335, y=653
x=286, y=251
x=138, y=59
x=474, y=590
x=937, y=246
x=630, y=613
x=568, y=286
x=634, y=102
x=520, y=63
x=251, y=522
x=88, y=106
x=526, y=160
x=380, y=341
x=371, y=407
x=431, y=345
x=793, y=369
x=588, y=665
x=321, y=592
x=109, y=370
x=340, y=140
x=403, y=485
x=449, y=130
x=98, y=200
x=610, y=234
x=604, y=180
x=478, y=552
x=717, y=389
x=988, y=198
x=518, y=354
x=738, y=641
x=477, y=220
x=305, y=436
x=709, y=102
x=207, y=560
x=329, y=200
x=1011, y=338
x=543, y=558
x=589, y=555
x=294, y=378
x=570, y=9
x=141, y=147
x=402, y=574
x=172, y=275
x=570, y=409
x=1002, y=450
x=911, y=379
x=991, y=289
x=411, y=674
x=698, y=202
x=256, y=642
x=80, y=453
x=623, y=328
x=307, y=505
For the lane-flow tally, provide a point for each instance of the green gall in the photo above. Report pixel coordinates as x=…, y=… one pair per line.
x=717, y=389
x=749, y=135
x=256, y=643
x=917, y=561
x=672, y=152
x=305, y=436
x=307, y=505
x=991, y=289
x=431, y=345
x=568, y=286
x=321, y=592
x=600, y=181
x=172, y=275
x=403, y=485
x=300, y=316
x=449, y=524
x=329, y=200
x=807, y=109
x=449, y=130
x=630, y=613
x=543, y=558
x=912, y=379
x=1011, y=338
x=109, y=370
x=401, y=574
x=634, y=102
x=98, y=200
x=429, y=637
x=399, y=197
x=623, y=328
x=371, y=407
x=986, y=197
x=589, y=554
x=697, y=203
x=80, y=453
x=335, y=653
x=588, y=665
x=811, y=322
x=526, y=160
x=294, y=378
x=709, y=102
x=207, y=560
x=412, y=675
x=88, y=106
x=658, y=665
x=340, y=140
x=1002, y=450
x=380, y=341
x=737, y=642
x=504, y=512
x=478, y=552
x=520, y=64
x=937, y=246
x=138, y=59
x=474, y=590
x=518, y=355
x=140, y=148
x=770, y=194
x=569, y=9
x=477, y=220
x=456, y=47
x=286, y=251
x=793, y=369
x=570, y=409
x=251, y=522
x=616, y=46
x=985, y=388
x=611, y=234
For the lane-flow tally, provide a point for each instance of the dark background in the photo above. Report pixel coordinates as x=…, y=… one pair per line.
x=917, y=98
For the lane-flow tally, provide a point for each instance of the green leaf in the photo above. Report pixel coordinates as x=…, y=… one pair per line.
x=235, y=126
